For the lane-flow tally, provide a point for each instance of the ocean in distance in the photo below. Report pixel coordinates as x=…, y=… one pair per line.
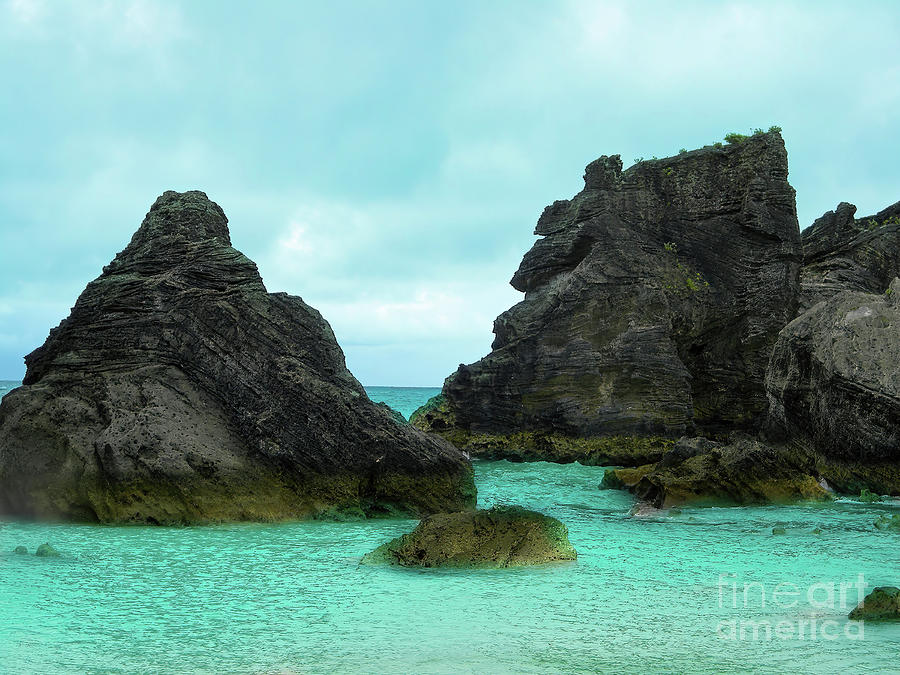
x=661, y=592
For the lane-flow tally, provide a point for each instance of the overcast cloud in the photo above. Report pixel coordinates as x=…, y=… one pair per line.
x=387, y=161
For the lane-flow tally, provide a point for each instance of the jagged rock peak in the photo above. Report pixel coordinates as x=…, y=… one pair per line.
x=603, y=173
x=844, y=253
x=190, y=215
x=179, y=390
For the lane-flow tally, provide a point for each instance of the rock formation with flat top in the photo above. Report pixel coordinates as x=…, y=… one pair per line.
x=652, y=301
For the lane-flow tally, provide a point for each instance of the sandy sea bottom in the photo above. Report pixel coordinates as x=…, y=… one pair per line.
x=663, y=592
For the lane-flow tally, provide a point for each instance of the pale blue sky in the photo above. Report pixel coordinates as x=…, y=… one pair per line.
x=387, y=161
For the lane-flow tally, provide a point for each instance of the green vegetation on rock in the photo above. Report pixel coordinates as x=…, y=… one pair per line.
x=869, y=497
x=885, y=522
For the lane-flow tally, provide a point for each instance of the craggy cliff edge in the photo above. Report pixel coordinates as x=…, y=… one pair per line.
x=845, y=253
x=179, y=390
x=652, y=302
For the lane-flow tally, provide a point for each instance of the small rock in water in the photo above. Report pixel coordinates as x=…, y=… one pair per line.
x=888, y=522
x=883, y=603
x=779, y=530
x=869, y=497
x=503, y=536
x=817, y=531
x=21, y=550
x=46, y=551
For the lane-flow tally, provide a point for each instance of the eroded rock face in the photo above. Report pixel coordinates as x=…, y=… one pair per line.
x=845, y=253
x=834, y=387
x=503, y=536
x=179, y=390
x=744, y=471
x=652, y=301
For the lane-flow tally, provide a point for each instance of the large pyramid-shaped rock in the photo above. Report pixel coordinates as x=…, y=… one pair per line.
x=652, y=301
x=179, y=390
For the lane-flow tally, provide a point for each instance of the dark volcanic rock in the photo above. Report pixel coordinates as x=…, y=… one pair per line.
x=651, y=304
x=179, y=390
x=834, y=386
x=844, y=253
x=504, y=536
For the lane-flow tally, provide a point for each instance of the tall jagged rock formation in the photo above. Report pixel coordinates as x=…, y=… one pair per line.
x=845, y=253
x=651, y=304
x=179, y=390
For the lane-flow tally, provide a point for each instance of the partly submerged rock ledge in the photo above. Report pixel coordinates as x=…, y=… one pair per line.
x=503, y=536
x=180, y=390
x=882, y=604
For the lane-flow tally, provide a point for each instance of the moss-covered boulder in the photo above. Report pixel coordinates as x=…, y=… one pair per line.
x=744, y=471
x=503, y=536
x=882, y=604
x=46, y=551
x=624, y=478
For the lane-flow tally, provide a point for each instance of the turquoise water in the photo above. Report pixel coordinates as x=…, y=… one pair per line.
x=644, y=595
x=402, y=399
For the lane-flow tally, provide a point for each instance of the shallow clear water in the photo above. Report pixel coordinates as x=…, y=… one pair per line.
x=644, y=595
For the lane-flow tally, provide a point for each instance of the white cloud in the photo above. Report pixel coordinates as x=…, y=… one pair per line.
x=26, y=11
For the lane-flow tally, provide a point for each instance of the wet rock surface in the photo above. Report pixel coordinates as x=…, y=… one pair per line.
x=180, y=390
x=744, y=471
x=504, y=536
x=882, y=604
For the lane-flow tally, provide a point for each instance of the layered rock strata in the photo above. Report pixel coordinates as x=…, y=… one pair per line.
x=180, y=390
x=845, y=253
x=652, y=301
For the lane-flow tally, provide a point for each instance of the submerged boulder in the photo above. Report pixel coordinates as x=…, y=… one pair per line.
x=845, y=253
x=652, y=301
x=891, y=523
x=21, y=550
x=503, y=536
x=834, y=389
x=46, y=551
x=883, y=603
x=180, y=390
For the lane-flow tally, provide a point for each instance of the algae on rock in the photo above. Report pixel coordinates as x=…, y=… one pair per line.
x=503, y=536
